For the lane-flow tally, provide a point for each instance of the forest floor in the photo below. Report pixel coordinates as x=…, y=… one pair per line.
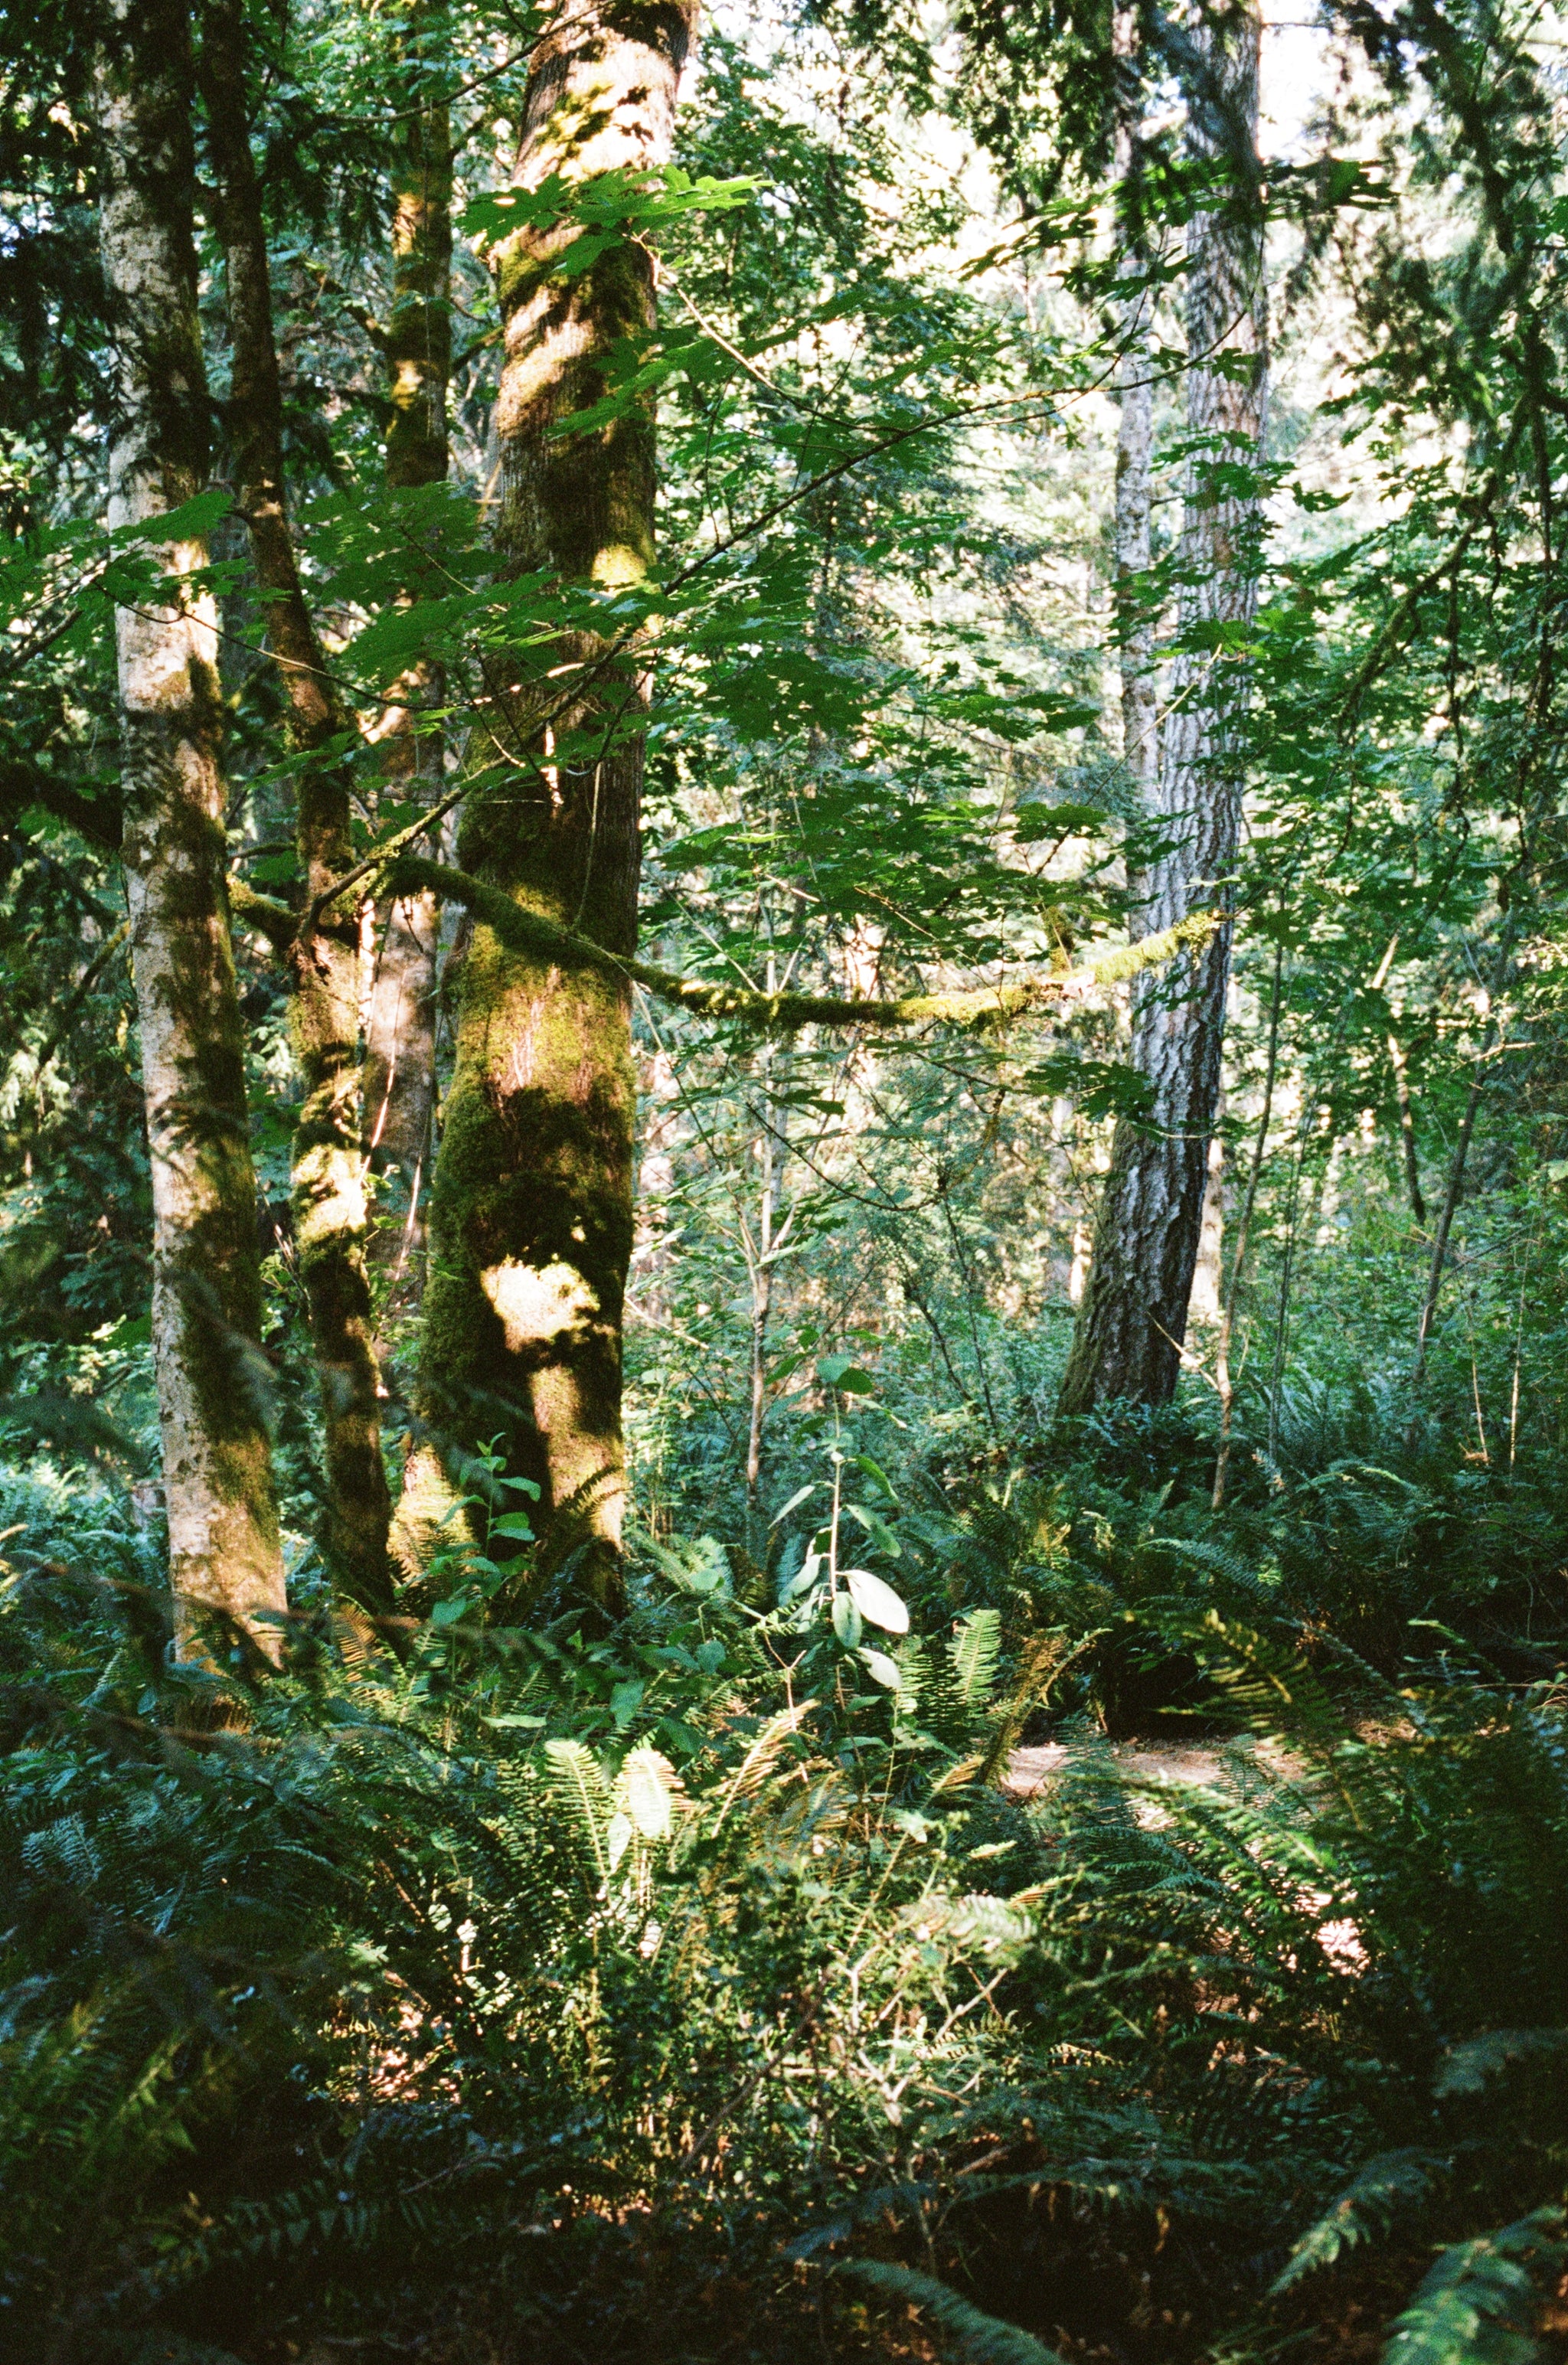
x=1153, y=1760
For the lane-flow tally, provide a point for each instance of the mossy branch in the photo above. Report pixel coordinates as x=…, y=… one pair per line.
x=264, y=913
x=528, y=932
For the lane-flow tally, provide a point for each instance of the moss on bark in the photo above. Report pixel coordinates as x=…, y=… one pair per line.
x=530, y=1212
x=327, y=1183
x=224, y=1560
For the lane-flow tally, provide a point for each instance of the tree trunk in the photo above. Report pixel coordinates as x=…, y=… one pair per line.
x=224, y=1560
x=1133, y=1318
x=761, y=1250
x=399, y=1067
x=1134, y=446
x=1223, y=1380
x=1406, y=1126
x=328, y=1179
x=531, y=1211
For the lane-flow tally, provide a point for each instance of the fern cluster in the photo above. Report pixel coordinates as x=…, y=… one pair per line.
x=530, y=1992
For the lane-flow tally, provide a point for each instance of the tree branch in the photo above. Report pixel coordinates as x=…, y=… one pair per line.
x=264, y=913
x=528, y=932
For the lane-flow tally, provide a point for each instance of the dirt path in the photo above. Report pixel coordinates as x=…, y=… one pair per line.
x=1208, y=1764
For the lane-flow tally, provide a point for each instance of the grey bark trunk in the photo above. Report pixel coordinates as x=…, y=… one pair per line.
x=1133, y=1321
x=1135, y=452
x=399, y=1067
x=225, y=1558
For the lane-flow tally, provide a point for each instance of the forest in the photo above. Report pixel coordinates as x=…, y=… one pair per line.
x=783, y=1324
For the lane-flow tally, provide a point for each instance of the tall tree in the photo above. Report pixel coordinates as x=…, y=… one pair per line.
x=1135, y=429
x=399, y=1069
x=224, y=1548
x=327, y=1193
x=1132, y=1320
x=531, y=1211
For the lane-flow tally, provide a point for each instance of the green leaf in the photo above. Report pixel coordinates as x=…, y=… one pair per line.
x=801, y=1494
x=1471, y=2067
x=625, y=1702
x=846, y=1620
x=1033, y=822
x=877, y=1528
x=877, y=1602
x=874, y=1470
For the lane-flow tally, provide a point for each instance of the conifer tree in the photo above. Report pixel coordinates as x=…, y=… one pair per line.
x=1132, y=1323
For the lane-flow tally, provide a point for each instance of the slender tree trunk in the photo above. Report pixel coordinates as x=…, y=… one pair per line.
x=1406, y=1126
x=327, y=1179
x=1207, y=1297
x=1502, y=966
x=773, y=1153
x=1223, y=1380
x=531, y=1210
x=1451, y=1196
x=1133, y=1318
x=224, y=1551
x=400, y=1068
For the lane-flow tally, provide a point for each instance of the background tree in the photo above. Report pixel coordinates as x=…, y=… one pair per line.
x=1134, y=1319
x=400, y=1017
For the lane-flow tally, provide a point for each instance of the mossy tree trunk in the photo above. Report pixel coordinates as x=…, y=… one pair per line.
x=328, y=1182
x=1132, y=1323
x=225, y=1559
x=530, y=1214
x=399, y=1066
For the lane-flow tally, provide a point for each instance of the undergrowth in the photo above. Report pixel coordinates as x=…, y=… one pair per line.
x=526, y=1994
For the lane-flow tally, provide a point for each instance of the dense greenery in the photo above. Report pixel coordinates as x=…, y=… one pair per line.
x=997, y=1892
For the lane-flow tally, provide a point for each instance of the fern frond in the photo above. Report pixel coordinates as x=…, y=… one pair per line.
x=1471, y=2067
x=974, y=1655
x=760, y=1758
x=577, y=1779
x=1480, y=2302
x=966, y=2330
x=1367, y=2206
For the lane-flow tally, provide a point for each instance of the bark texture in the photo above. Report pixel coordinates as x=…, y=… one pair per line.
x=225, y=1558
x=399, y=1067
x=330, y=1211
x=1133, y=1321
x=1134, y=441
x=531, y=1215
